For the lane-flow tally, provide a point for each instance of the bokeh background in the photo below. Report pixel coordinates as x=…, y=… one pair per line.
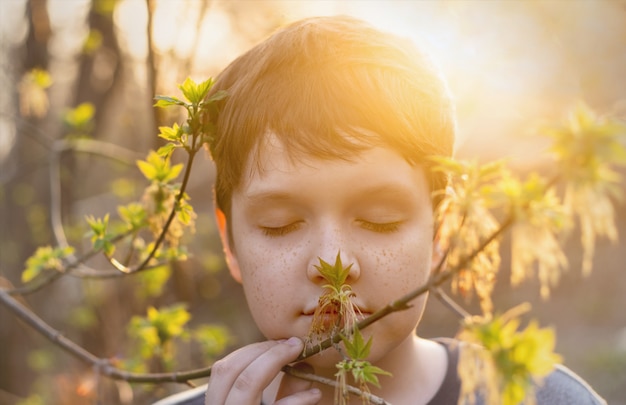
x=513, y=66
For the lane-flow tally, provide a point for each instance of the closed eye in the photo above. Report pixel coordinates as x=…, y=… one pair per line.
x=386, y=227
x=274, y=231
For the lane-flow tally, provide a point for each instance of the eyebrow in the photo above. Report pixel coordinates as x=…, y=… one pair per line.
x=269, y=196
x=387, y=191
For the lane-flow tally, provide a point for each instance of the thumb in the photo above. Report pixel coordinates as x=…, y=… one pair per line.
x=290, y=385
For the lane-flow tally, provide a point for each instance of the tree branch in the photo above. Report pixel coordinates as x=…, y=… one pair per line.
x=450, y=303
x=372, y=399
x=103, y=366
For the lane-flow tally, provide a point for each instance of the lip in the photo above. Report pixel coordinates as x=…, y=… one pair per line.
x=361, y=314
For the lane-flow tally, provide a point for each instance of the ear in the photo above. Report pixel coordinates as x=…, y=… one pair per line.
x=231, y=260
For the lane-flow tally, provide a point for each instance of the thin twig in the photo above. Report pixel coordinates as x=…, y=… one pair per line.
x=450, y=303
x=103, y=365
x=372, y=399
x=181, y=192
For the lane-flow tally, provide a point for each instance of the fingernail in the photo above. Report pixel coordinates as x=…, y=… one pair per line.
x=293, y=341
x=315, y=391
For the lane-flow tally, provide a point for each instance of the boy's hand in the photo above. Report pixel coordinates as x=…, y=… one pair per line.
x=241, y=377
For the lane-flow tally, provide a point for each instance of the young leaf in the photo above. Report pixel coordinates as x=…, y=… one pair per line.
x=203, y=89
x=356, y=348
x=213, y=339
x=586, y=147
x=151, y=283
x=166, y=150
x=191, y=91
x=166, y=101
x=502, y=362
x=156, y=168
x=134, y=215
x=45, y=258
x=335, y=274
x=172, y=134
x=80, y=118
x=100, y=237
x=148, y=170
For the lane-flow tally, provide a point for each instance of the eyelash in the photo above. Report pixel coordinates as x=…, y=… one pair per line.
x=388, y=227
x=280, y=230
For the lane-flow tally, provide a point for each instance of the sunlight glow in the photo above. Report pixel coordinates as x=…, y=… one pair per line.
x=131, y=17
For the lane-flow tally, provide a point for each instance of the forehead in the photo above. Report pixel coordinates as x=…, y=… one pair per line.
x=286, y=152
x=275, y=172
x=304, y=148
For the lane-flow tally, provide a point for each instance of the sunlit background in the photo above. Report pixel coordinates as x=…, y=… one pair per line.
x=512, y=66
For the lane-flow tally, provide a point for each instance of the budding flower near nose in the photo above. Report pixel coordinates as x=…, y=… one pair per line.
x=335, y=312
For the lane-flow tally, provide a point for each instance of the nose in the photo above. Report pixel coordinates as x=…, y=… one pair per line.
x=333, y=247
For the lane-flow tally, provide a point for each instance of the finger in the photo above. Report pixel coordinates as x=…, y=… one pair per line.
x=225, y=371
x=250, y=383
x=308, y=397
x=290, y=385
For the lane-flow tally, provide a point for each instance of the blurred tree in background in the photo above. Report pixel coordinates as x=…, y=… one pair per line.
x=87, y=70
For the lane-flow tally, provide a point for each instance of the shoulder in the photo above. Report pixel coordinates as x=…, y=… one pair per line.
x=563, y=386
x=190, y=397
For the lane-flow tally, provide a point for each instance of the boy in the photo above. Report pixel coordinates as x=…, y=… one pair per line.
x=321, y=149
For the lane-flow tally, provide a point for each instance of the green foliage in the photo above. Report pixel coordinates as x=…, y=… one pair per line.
x=80, y=119
x=586, y=149
x=40, y=78
x=157, y=169
x=213, y=339
x=202, y=113
x=134, y=215
x=361, y=370
x=335, y=314
x=123, y=188
x=45, y=258
x=152, y=282
x=336, y=274
x=83, y=317
x=503, y=362
x=335, y=311
x=99, y=233
x=33, y=399
x=357, y=348
x=40, y=360
x=465, y=221
x=586, y=146
x=193, y=92
x=154, y=332
x=540, y=219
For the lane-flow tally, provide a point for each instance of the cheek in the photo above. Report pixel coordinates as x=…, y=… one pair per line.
x=269, y=285
x=403, y=267
x=263, y=302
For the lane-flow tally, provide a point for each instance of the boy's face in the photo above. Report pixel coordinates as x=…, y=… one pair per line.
x=373, y=208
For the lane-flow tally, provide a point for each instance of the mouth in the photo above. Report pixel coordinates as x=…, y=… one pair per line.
x=330, y=315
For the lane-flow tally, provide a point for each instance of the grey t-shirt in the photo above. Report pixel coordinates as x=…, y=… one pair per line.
x=561, y=387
